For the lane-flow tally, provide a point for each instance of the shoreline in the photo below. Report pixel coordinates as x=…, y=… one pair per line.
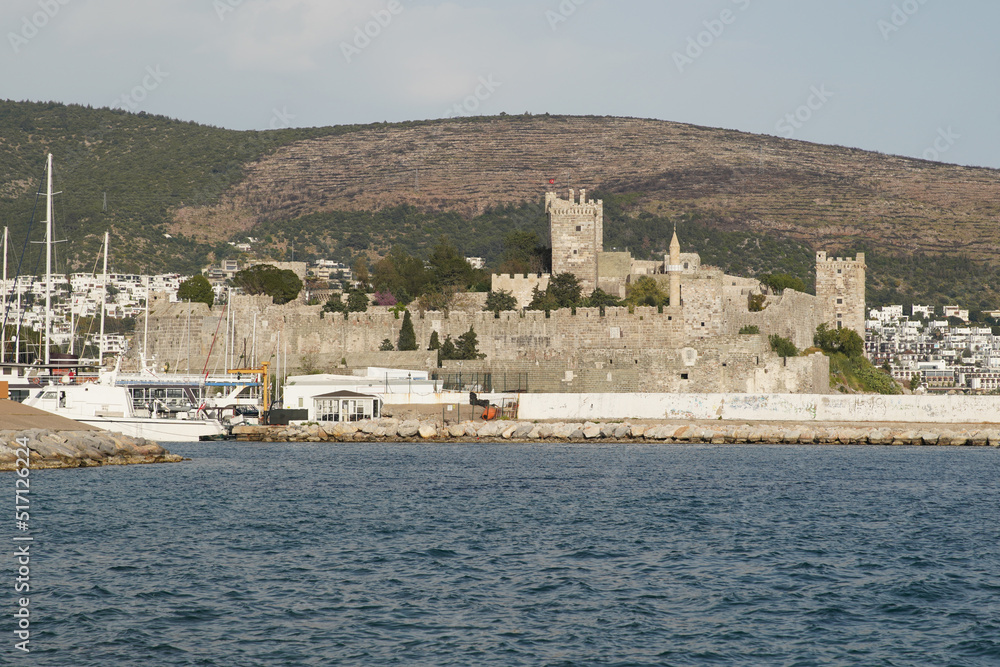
x=666, y=432
x=52, y=450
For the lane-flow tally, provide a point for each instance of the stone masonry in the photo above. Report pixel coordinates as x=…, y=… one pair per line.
x=577, y=229
x=840, y=291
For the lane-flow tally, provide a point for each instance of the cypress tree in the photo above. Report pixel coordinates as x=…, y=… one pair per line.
x=407, y=336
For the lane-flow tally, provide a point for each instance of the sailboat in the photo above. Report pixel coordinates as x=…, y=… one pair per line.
x=106, y=403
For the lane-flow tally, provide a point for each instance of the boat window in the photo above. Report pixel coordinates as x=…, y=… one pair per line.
x=50, y=394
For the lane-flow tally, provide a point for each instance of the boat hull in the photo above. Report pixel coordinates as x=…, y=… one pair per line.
x=160, y=430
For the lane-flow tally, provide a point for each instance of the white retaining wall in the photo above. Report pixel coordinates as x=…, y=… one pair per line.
x=763, y=407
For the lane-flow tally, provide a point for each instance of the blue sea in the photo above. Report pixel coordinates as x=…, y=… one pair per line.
x=518, y=554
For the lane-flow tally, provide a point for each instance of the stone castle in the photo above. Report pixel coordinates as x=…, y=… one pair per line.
x=692, y=345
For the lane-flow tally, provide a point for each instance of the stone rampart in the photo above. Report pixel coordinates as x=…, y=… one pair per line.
x=793, y=315
x=613, y=350
x=522, y=286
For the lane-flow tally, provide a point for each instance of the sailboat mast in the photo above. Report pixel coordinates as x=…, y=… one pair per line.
x=48, y=262
x=104, y=300
x=6, y=297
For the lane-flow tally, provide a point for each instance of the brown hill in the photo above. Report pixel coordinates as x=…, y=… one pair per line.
x=826, y=195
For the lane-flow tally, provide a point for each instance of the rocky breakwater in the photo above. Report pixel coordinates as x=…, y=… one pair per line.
x=382, y=430
x=79, y=449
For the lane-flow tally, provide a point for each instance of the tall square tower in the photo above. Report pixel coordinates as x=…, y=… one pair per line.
x=577, y=229
x=840, y=291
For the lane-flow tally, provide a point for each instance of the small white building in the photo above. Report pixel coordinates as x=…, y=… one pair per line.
x=345, y=406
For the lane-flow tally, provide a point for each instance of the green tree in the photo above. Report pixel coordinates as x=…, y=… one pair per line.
x=846, y=341
x=645, y=292
x=782, y=346
x=448, y=266
x=466, y=348
x=468, y=345
x=435, y=342
x=542, y=300
x=407, y=336
x=357, y=301
x=779, y=282
x=196, y=289
x=360, y=270
x=750, y=329
x=335, y=304
x=402, y=275
x=522, y=253
x=500, y=300
x=600, y=299
x=448, y=350
x=386, y=346
x=565, y=289
x=282, y=285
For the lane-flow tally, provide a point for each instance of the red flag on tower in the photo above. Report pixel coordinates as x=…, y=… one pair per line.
x=552, y=181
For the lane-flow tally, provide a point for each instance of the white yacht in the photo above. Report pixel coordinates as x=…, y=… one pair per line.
x=110, y=407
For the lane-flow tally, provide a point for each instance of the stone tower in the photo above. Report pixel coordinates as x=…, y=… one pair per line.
x=840, y=291
x=577, y=229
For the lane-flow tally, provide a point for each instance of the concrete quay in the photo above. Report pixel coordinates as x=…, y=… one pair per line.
x=673, y=432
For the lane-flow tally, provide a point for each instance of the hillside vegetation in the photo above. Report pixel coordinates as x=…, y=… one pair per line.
x=178, y=192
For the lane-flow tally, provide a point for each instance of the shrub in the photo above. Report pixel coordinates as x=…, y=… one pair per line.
x=782, y=346
x=750, y=329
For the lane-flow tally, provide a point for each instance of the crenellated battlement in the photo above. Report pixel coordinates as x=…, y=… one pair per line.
x=821, y=257
x=522, y=286
x=573, y=205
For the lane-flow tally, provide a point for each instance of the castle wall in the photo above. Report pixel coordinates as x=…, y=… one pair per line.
x=614, y=264
x=522, y=286
x=793, y=315
x=701, y=298
x=642, y=351
x=736, y=366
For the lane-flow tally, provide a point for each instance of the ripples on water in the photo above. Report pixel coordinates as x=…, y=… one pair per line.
x=521, y=555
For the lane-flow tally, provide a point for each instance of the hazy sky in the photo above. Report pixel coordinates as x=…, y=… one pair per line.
x=911, y=77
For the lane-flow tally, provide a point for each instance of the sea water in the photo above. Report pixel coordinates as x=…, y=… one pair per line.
x=527, y=554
